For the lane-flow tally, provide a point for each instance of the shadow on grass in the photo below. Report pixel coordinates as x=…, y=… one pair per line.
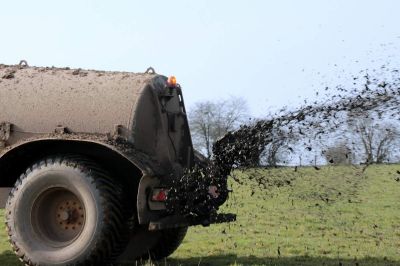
x=231, y=259
x=8, y=258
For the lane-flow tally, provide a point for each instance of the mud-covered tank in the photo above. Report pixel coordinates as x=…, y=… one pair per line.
x=137, y=107
x=85, y=160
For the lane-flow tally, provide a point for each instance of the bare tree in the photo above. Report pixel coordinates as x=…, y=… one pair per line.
x=377, y=139
x=211, y=120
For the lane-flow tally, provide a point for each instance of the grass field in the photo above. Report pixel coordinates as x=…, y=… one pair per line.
x=334, y=216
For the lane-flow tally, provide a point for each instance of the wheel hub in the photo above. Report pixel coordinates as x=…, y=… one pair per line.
x=70, y=215
x=58, y=215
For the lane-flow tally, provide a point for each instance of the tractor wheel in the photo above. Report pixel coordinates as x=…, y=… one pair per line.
x=154, y=245
x=168, y=242
x=66, y=211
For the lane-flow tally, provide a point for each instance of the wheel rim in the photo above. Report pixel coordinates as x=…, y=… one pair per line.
x=58, y=217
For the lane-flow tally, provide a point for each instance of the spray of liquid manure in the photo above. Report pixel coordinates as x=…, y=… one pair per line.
x=369, y=97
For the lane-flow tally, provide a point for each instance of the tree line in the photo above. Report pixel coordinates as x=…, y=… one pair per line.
x=363, y=138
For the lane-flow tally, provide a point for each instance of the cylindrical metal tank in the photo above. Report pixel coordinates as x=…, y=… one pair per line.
x=37, y=99
x=139, y=107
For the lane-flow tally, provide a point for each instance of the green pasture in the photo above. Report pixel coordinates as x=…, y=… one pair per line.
x=338, y=215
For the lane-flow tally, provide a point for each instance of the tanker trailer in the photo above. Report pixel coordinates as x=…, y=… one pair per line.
x=86, y=162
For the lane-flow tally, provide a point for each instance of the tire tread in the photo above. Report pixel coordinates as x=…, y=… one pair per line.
x=115, y=234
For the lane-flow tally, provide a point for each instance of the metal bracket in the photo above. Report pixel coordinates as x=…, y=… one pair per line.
x=5, y=131
x=61, y=130
x=175, y=221
x=23, y=64
x=150, y=70
x=121, y=133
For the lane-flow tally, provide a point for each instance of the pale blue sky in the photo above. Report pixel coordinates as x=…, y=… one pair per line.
x=268, y=52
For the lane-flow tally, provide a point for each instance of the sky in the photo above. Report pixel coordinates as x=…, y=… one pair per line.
x=270, y=53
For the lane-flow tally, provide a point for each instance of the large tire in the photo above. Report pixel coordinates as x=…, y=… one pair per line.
x=154, y=245
x=66, y=211
x=168, y=242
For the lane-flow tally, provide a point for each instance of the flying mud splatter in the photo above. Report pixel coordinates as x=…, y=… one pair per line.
x=370, y=97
